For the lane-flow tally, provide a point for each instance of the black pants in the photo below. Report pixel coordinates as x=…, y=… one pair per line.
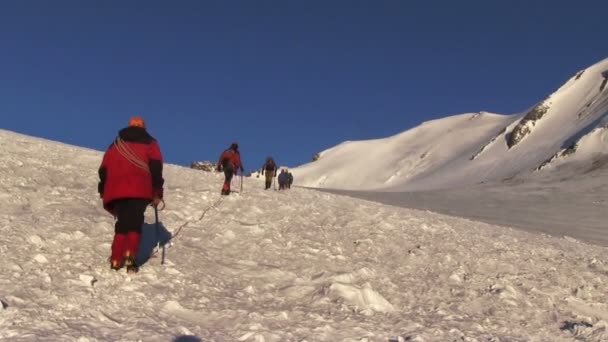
x=228, y=174
x=130, y=214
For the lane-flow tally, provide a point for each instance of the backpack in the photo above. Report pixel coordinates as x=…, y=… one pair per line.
x=270, y=165
x=226, y=158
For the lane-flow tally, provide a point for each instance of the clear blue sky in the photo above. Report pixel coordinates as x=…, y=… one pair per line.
x=283, y=78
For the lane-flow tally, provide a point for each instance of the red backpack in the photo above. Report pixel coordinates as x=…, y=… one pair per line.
x=232, y=157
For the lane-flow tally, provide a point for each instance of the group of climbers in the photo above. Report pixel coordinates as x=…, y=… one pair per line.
x=285, y=179
x=131, y=178
x=269, y=170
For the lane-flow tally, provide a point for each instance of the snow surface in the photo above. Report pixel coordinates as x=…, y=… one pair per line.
x=294, y=265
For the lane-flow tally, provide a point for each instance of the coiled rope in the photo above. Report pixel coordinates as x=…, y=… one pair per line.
x=126, y=151
x=130, y=155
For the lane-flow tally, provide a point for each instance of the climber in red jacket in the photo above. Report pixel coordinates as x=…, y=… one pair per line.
x=230, y=163
x=130, y=179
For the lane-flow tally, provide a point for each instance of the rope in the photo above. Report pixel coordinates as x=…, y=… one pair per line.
x=212, y=206
x=179, y=229
x=159, y=207
x=126, y=151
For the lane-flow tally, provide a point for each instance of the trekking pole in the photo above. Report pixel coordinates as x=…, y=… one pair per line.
x=157, y=226
x=241, y=183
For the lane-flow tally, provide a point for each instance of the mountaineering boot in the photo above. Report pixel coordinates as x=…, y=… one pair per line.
x=129, y=258
x=131, y=263
x=133, y=268
x=116, y=265
x=226, y=189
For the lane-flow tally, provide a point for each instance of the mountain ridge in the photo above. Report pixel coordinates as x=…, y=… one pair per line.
x=471, y=148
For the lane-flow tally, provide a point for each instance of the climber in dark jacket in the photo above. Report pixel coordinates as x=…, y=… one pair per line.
x=283, y=179
x=270, y=168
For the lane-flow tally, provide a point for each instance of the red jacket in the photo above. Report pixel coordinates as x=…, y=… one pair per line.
x=121, y=177
x=230, y=159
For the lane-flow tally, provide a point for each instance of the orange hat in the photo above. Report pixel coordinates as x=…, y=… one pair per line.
x=137, y=121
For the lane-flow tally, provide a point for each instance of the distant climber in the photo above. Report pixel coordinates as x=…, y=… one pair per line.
x=230, y=163
x=283, y=179
x=289, y=179
x=270, y=170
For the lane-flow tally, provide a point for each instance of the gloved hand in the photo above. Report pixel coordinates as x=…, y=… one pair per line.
x=157, y=197
x=158, y=193
x=156, y=201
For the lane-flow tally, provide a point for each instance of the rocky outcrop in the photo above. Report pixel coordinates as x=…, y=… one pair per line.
x=563, y=153
x=478, y=153
x=524, y=127
x=203, y=165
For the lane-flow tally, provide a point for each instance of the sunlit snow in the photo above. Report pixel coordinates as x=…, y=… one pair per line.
x=264, y=265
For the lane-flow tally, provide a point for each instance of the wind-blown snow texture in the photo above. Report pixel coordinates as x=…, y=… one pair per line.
x=295, y=265
x=475, y=148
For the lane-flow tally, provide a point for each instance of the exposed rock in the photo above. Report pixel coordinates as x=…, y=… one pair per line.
x=478, y=153
x=524, y=127
x=203, y=165
x=563, y=153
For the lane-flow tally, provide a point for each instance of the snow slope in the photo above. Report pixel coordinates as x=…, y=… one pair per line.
x=296, y=265
x=472, y=148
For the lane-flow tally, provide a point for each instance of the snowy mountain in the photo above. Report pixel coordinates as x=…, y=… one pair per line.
x=295, y=265
x=568, y=126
